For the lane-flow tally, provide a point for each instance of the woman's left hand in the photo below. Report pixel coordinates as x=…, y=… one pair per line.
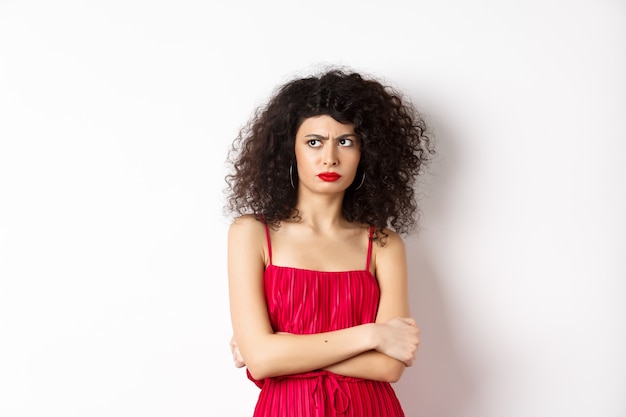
x=234, y=349
x=239, y=363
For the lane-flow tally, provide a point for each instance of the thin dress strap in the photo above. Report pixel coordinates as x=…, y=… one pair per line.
x=369, y=249
x=269, y=243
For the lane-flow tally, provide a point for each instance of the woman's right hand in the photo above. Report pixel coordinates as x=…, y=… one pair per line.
x=398, y=338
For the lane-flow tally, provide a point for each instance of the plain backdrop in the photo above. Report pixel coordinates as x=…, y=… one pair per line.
x=115, y=121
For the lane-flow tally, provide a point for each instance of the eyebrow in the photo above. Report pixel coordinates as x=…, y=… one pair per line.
x=321, y=137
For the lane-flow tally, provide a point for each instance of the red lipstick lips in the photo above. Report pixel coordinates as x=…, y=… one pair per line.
x=329, y=176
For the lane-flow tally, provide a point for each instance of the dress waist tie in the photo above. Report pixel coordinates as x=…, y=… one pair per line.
x=326, y=385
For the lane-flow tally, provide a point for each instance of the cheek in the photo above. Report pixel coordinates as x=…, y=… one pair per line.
x=354, y=158
x=300, y=155
x=305, y=161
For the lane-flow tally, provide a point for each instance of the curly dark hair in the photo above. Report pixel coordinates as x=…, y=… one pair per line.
x=394, y=146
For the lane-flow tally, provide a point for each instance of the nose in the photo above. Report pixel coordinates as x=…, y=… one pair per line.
x=330, y=156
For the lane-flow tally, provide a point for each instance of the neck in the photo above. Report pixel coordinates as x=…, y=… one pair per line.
x=321, y=211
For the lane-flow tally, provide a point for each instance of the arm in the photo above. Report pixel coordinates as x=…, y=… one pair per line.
x=391, y=273
x=265, y=353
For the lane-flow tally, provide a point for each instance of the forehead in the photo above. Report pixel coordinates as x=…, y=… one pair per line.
x=324, y=125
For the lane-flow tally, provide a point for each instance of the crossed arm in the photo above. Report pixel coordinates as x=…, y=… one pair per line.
x=379, y=351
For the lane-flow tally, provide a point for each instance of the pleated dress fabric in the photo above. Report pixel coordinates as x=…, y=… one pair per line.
x=303, y=301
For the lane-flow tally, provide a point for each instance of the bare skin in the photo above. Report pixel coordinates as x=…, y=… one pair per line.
x=320, y=239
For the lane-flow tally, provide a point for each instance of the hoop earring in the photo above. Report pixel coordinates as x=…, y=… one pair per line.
x=361, y=183
x=291, y=176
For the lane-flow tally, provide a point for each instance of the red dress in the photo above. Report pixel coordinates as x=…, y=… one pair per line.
x=303, y=301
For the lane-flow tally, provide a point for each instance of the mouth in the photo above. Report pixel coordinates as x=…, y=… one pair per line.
x=329, y=176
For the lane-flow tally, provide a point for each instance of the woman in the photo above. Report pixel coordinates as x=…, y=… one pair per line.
x=322, y=184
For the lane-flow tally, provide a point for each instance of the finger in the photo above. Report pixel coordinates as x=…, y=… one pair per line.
x=237, y=359
x=410, y=320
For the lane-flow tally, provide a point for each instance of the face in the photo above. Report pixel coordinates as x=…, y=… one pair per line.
x=327, y=154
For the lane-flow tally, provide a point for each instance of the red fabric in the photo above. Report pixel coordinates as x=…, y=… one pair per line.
x=303, y=301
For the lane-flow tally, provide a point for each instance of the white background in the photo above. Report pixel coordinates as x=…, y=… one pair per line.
x=115, y=120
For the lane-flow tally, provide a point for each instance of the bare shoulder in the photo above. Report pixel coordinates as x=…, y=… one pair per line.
x=391, y=253
x=247, y=224
x=246, y=220
x=246, y=236
x=391, y=242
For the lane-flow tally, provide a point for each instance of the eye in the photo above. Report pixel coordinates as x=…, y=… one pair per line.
x=346, y=142
x=314, y=143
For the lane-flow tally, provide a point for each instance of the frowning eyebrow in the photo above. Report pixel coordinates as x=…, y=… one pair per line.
x=321, y=137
